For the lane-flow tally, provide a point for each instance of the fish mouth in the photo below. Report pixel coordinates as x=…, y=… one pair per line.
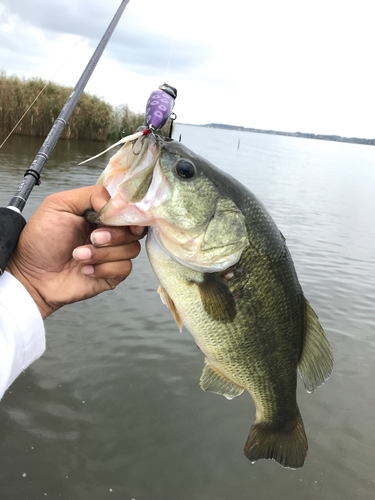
x=130, y=161
x=133, y=178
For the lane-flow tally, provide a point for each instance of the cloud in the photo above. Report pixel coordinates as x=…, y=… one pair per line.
x=61, y=16
x=290, y=65
x=149, y=58
x=141, y=48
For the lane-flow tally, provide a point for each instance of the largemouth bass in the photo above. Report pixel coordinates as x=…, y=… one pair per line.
x=226, y=274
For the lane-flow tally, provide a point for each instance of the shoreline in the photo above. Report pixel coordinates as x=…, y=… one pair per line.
x=321, y=137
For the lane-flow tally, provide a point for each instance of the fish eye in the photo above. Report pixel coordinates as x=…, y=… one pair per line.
x=185, y=169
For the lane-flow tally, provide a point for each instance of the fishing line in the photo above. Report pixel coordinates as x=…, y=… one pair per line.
x=25, y=113
x=169, y=57
x=172, y=116
x=80, y=40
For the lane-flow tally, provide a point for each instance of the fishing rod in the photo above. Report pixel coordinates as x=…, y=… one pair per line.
x=11, y=220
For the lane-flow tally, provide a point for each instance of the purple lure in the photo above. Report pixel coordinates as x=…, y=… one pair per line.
x=159, y=106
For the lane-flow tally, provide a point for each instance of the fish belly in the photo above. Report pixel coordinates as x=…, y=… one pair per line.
x=180, y=283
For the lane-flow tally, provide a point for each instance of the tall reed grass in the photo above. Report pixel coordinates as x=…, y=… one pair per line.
x=92, y=118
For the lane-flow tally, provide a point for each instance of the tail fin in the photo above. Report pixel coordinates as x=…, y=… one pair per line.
x=288, y=447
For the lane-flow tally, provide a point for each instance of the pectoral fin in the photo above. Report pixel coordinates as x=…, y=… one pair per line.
x=213, y=381
x=217, y=299
x=165, y=298
x=316, y=362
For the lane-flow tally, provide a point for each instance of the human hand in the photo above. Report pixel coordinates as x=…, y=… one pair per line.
x=61, y=258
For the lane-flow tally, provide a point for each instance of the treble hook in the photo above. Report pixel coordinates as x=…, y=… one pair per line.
x=145, y=131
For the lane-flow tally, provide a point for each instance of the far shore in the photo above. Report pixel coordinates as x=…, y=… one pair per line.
x=322, y=137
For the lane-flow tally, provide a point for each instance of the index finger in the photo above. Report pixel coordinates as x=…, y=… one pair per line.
x=113, y=236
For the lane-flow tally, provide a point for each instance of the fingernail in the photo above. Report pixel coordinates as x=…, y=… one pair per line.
x=82, y=253
x=100, y=237
x=87, y=270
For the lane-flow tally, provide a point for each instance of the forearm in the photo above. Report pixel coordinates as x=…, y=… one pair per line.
x=22, y=335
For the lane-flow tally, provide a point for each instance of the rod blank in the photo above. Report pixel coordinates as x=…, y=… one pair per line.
x=9, y=237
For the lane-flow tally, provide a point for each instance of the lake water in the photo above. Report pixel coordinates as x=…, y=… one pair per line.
x=113, y=410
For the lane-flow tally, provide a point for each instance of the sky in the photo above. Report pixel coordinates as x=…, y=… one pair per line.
x=291, y=65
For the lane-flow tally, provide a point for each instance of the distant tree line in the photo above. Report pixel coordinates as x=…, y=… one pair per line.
x=305, y=135
x=92, y=118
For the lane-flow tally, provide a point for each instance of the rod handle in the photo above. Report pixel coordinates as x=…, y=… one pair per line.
x=11, y=225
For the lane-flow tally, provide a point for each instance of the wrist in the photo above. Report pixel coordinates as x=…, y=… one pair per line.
x=44, y=308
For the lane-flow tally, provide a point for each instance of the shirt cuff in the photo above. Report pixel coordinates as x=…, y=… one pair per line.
x=22, y=334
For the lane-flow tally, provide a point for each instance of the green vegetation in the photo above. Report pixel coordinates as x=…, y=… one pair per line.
x=92, y=118
x=124, y=122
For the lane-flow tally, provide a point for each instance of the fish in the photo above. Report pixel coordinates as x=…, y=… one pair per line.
x=226, y=274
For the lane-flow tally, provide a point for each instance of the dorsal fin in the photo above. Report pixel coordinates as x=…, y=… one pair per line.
x=316, y=361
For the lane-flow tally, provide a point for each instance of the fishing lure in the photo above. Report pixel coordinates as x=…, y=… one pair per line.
x=159, y=106
x=158, y=110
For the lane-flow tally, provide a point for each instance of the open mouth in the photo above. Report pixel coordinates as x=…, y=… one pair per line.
x=134, y=179
x=130, y=162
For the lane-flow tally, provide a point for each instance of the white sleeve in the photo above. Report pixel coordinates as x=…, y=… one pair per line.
x=22, y=335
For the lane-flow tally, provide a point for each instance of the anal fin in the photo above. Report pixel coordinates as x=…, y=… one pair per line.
x=165, y=298
x=213, y=381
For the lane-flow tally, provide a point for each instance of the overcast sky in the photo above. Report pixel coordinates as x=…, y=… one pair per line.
x=292, y=65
